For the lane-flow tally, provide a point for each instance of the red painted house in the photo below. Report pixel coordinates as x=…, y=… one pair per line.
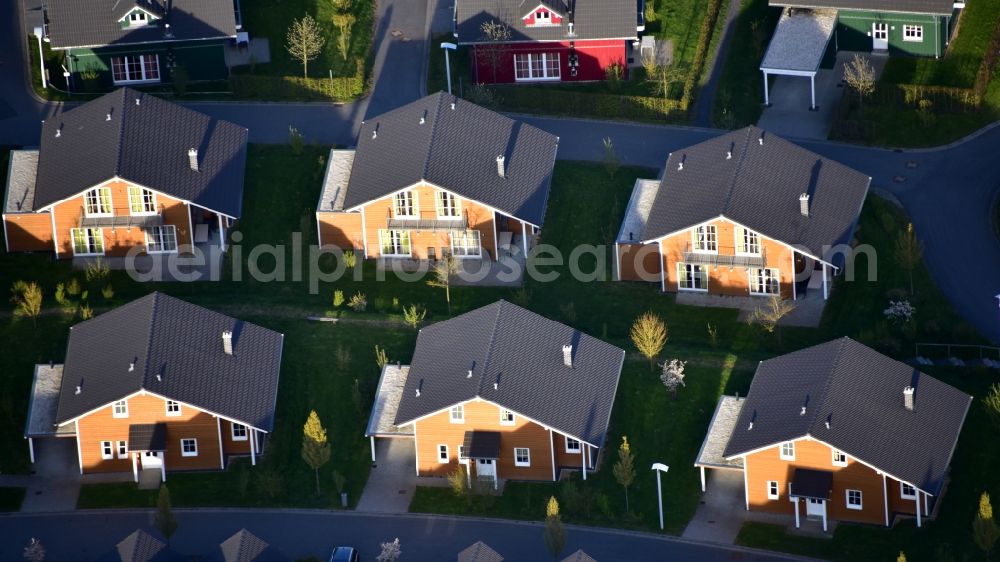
x=549, y=40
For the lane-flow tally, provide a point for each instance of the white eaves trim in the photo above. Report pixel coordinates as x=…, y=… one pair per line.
x=809, y=437
x=477, y=398
x=130, y=182
x=144, y=392
x=435, y=186
x=97, y=46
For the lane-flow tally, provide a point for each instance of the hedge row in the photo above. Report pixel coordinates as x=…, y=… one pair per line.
x=529, y=99
x=700, y=52
x=989, y=63
x=340, y=88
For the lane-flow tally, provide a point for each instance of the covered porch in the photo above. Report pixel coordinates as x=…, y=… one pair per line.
x=147, y=448
x=480, y=451
x=798, y=46
x=813, y=488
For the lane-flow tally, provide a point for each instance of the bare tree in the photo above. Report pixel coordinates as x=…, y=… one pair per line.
x=611, y=162
x=305, y=41
x=649, y=335
x=441, y=275
x=860, y=77
x=673, y=375
x=769, y=316
x=494, y=36
x=909, y=252
x=344, y=24
x=27, y=298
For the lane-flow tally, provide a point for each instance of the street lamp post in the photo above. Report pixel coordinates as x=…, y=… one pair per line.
x=447, y=63
x=660, y=468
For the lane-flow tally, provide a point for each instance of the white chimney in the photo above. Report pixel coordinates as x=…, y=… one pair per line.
x=908, y=398
x=469, y=376
x=804, y=204
x=131, y=366
x=501, y=171
x=568, y=355
x=107, y=117
x=77, y=390
x=193, y=158
x=227, y=342
x=729, y=155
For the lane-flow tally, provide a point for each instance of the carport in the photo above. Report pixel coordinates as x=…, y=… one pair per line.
x=382, y=421
x=800, y=40
x=41, y=422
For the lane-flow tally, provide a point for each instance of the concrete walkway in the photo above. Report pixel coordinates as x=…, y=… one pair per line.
x=393, y=478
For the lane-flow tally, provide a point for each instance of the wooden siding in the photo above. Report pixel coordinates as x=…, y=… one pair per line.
x=899, y=505
x=767, y=465
x=482, y=416
x=639, y=262
x=231, y=447
x=192, y=423
x=118, y=241
x=340, y=229
x=378, y=212
x=29, y=232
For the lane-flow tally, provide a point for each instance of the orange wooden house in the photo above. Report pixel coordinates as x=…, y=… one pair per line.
x=125, y=172
x=158, y=385
x=439, y=176
x=502, y=391
x=743, y=214
x=838, y=431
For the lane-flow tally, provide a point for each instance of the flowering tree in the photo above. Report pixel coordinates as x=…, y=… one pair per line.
x=390, y=551
x=900, y=312
x=673, y=375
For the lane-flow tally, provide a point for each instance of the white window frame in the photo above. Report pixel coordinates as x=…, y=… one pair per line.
x=773, y=491
x=121, y=412
x=122, y=447
x=504, y=413
x=94, y=202
x=529, y=58
x=445, y=203
x=847, y=499
x=456, y=414
x=233, y=426
x=573, y=446
x=398, y=240
x=107, y=450
x=463, y=243
x=194, y=442
x=904, y=495
x=681, y=266
x=707, y=235
x=408, y=198
x=443, y=454
x=461, y=453
x=747, y=242
x=93, y=239
x=142, y=70
x=158, y=236
x=913, y=33
x=839, y=462
x=786, y=456
x=173, y=408
x=758, y=279
x=146, y=201
x=527, y=455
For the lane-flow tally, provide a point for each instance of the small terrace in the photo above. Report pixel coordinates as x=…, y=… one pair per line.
x=724, y=256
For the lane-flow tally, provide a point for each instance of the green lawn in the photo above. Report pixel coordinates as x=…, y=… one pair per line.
x=11, y=498
x=266, y=18
x=739, y=99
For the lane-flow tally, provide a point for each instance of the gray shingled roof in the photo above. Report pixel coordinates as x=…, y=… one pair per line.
x=21, y=170
x=479, y=552
x=245, y=546
x=940, y=7
x=140, y=546
x=455, y=149
x=592, y=19
x=146, y=144
x=147, y=436
x=522, y=353
x=859, y=392
x=177, y=351
x=759, y=187
x=93, y=23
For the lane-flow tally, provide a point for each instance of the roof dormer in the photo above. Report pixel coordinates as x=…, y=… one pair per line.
x=542, y=16
x=137, y=17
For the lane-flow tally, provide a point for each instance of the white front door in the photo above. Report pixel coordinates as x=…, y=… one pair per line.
x=486, y=468
x=814, y=508
x=880, y=36
x=151, y=459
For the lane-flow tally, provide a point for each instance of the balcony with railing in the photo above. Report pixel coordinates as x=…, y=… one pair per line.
x=121, y=217
x=725, y=256
x=426, y=221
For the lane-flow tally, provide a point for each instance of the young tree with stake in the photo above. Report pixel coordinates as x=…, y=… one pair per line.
x=315, y=447
x=305, y=41
x=649, y=334
x=624, y=469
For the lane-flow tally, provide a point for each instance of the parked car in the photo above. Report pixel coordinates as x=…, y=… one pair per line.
x=344, y=554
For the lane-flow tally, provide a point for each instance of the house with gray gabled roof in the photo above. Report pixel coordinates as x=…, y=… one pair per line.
x=159, y=385
x=502, y=392
x=126, y=172
x=438, y=176
x=744, y=214
x=839, y=431
x=245, y=546
x=118, y=42
x=548, y=40
x=141, y=546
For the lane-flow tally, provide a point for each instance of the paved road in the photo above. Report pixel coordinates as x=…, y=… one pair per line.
x=83, y=536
